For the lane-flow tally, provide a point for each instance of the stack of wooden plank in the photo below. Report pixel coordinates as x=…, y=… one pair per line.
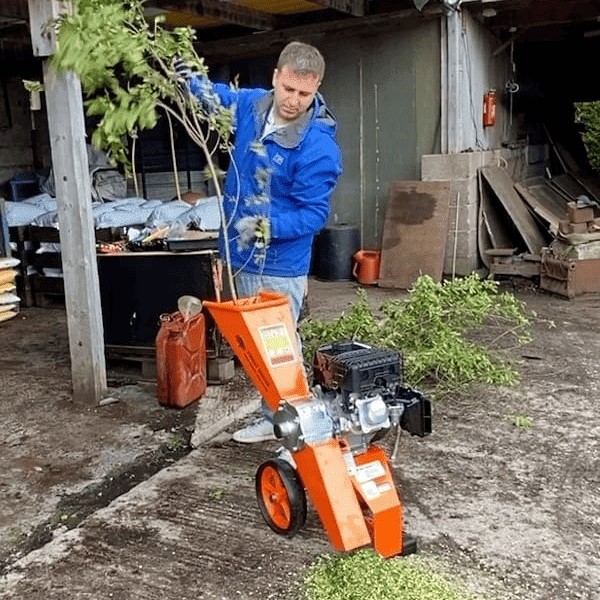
x=541, y=226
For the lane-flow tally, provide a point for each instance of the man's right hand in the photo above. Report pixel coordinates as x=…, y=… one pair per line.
x=183, y=72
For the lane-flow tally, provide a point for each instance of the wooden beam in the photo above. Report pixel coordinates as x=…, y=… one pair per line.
x=5, y=250
x=538, y=14
x=456, y=110
x=356, y=8
x=73, y=202
x=41, y=12
x=271, y=42
x=229, y=13
x=77, y=236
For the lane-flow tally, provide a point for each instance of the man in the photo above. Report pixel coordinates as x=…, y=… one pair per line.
x=285, y=165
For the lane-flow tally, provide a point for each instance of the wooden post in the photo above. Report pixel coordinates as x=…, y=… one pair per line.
x=455, y=78
x=5, y=250
x=73, y=198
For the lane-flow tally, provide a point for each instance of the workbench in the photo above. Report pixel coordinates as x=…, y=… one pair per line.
x=137, y=287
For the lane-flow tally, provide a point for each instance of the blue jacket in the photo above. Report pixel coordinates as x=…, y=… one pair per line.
x=288, y=177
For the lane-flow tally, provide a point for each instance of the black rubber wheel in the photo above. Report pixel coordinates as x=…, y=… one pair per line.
x=281, y=497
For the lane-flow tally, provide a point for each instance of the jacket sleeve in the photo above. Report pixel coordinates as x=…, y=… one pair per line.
x=213, y=94
x=314, y=181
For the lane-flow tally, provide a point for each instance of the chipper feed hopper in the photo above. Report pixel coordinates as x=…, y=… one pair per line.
x=328, y=431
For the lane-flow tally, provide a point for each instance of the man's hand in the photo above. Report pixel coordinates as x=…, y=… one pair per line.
x=263, y=232
x=253, y=231
x=183, y=72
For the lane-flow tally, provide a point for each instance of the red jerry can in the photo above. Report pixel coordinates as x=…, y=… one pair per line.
x=180, y=359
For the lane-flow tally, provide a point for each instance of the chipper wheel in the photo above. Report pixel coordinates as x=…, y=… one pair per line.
x=281, y=497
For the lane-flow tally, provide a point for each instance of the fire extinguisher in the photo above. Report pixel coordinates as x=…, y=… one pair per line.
x=489, y=108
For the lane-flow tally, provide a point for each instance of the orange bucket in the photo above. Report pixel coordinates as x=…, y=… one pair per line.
x=366, y=266
x=262, y=335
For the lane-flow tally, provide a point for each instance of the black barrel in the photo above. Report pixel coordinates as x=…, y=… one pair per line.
x=333, y=250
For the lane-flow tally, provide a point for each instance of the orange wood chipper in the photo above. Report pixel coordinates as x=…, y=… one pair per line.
x=328, y=431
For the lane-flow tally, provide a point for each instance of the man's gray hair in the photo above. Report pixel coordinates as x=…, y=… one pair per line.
x=302, y=58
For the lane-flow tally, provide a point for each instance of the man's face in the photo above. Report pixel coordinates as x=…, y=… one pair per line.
x=294, y=93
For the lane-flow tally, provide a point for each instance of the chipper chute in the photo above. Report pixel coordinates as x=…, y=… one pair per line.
x=328, y=431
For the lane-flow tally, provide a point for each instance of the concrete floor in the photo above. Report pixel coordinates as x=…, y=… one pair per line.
x=96, y=502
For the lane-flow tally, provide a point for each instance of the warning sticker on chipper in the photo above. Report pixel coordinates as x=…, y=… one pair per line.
x=371, y=490
x=369, y=471
x=279, y=348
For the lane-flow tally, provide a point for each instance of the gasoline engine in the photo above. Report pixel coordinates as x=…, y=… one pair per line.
x=358, y=397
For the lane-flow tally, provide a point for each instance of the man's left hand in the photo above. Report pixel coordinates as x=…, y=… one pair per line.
x=263, y=232
x=253, y=231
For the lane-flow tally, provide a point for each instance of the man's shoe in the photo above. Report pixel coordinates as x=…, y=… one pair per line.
x=259, y=431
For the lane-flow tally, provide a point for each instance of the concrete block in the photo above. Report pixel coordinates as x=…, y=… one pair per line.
x=443, y=167
x=463, y=267
x=462, y=253
x=220, y=369
x=464, y=192
x=463, y=217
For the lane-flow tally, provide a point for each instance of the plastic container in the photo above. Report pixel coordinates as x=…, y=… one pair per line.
x=333, y=251
x=23, y=186
x=366, y=266
x=180, y=359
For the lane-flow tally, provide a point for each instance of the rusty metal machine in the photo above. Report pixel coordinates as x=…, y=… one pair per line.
x=329, y=430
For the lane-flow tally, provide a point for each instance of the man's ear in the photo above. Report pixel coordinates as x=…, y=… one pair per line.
x=275, y=75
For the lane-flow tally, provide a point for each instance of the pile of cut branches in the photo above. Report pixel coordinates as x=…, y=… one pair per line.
x=452, y=334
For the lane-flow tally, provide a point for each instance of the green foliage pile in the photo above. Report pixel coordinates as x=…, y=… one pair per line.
x=588, y=113
x=434, y=327
x=364, y=575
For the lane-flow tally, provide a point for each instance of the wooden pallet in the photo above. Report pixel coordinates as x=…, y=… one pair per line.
x=141, y=357
x=219, y=369
x=48, y=292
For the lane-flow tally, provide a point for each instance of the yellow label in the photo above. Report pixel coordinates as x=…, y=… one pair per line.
x=277, y=344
